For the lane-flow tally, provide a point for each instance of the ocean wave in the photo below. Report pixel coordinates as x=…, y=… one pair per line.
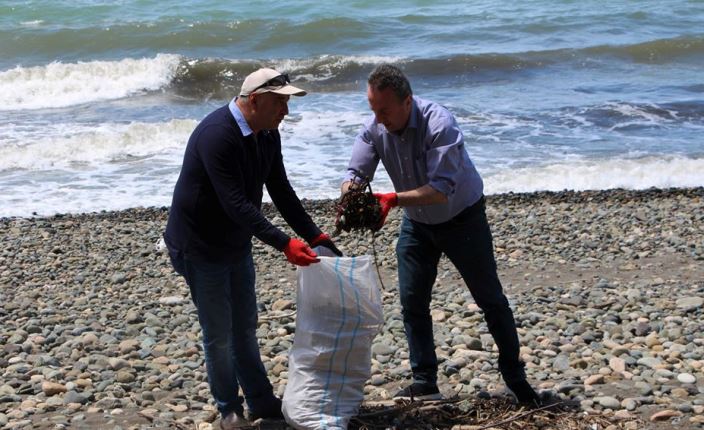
x=619, y=115
x=66, y=84
x=74, y=145
x=665, y=171
x=60, y=84
x=654, y=51
x=329, y=73
x=222, y=78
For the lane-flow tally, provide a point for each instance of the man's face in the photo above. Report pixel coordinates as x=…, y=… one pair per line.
x=388, y=108
x=271, y=108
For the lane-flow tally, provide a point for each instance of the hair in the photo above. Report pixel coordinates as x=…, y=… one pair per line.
x=387, y=76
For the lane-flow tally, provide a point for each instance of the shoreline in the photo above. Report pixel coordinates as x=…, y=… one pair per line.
x=607, y=289
x=550, y=196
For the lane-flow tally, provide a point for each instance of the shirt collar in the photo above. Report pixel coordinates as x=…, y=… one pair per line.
x=239, y=118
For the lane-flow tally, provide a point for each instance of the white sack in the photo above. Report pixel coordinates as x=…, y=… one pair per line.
x=338, y=314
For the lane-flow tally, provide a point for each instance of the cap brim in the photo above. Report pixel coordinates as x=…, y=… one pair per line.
x=289, y=90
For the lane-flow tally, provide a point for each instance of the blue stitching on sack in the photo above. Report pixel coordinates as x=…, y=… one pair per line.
x=354, y=337
x=337, y=339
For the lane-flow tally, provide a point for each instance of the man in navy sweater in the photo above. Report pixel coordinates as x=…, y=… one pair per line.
x=216, y=210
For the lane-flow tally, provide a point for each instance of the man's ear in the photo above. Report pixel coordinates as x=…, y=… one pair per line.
x=253, y=101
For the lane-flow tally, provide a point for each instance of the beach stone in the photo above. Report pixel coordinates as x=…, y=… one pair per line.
x=133, y=317
x=377, y=380
x=617, y=364
x=679, y=393
x=282, y=305
x=608, y=402
x=579, y=363
x=89, y=338
x=118, y=363
x=665, y=415
x=128, y=345
x=3, y=419
x=177, y=408
x=383, y=349
x=651, y=362
x=54, y=402
x=643, y=328
x=118, y=278
x=74, y=397
x=689, y=304
x=475, y=344
x=620, y=415
x=644, y=388
x=594, y=379
x=124, y=377
x=52, y=388
x=149, y=413
x=664, y=373
x=561, y=362
x=171, y=300
x=629, y=404
x=686, y=378
x=685, y=408
x=107, y=403
x=438, y=315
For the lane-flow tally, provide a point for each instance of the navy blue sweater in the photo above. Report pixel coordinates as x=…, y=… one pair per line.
x=217, y=200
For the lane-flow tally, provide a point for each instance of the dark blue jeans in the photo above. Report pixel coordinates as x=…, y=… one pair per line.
x=467, y=242
x=227, y=311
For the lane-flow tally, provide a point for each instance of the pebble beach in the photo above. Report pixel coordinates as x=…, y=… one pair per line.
x=607, y=288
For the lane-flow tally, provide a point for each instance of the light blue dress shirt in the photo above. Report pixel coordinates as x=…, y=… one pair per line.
x=429, y=151
x=239, y=118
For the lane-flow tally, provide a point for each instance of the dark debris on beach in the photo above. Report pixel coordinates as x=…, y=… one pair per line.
x=475, y=414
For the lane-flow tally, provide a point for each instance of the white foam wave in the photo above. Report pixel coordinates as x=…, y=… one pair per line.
x=65, y=145
x=316, y=147
x=327, y=66
x=639, y=173
x=60, y=85
x=33, y=23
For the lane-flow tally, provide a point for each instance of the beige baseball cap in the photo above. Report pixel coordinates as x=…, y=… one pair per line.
x=267, y=80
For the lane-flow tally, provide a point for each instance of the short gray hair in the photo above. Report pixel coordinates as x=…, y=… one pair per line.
x=387, y=76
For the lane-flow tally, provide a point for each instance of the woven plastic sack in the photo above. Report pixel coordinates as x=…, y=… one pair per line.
x=338, y=314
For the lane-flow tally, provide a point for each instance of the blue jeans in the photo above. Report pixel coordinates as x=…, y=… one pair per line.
x=227, y=311
x=467, y=242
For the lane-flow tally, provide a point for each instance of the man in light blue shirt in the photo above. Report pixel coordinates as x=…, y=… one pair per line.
x=436, y=183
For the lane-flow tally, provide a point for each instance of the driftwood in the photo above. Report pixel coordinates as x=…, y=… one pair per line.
x=474, y=414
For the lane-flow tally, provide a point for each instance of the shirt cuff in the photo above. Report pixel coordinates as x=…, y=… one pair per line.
x=443, y=186
x=279, y=241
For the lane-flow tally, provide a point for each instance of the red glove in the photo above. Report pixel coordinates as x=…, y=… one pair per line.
x=386, y=201
x=298, y=253
x=324, y=240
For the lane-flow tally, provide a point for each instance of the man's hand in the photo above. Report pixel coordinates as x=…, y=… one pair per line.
x=349, y=186
x=300, y=254
x=324, y=240
x=386, y=201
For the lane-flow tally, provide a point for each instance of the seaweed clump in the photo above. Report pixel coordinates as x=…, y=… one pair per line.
x=358, y=209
